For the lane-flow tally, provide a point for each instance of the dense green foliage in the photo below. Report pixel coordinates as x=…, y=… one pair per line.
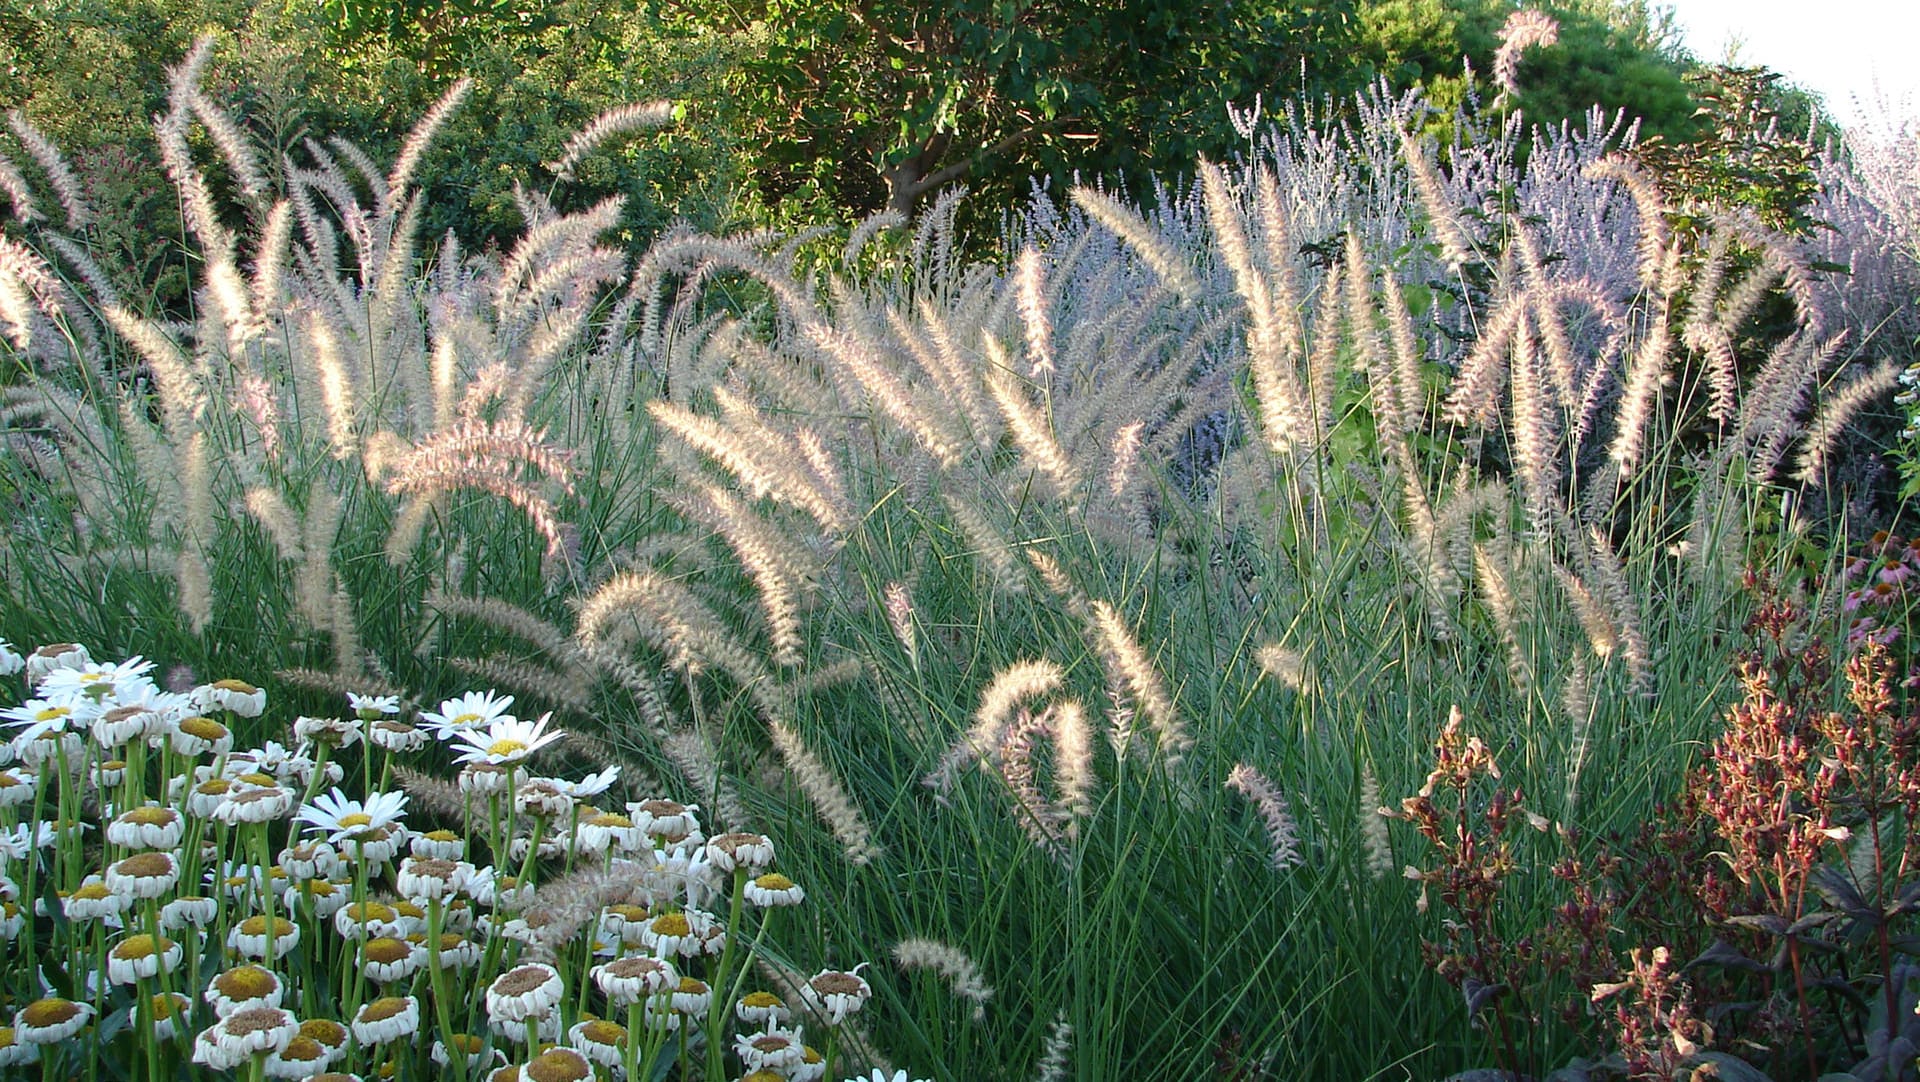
x=788, y=112
x=1616, y=55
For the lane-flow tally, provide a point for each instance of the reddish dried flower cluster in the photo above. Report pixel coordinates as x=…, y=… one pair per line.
x=1654, y=1016
x=1475, y=856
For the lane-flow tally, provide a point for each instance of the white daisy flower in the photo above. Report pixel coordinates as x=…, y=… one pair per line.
x=456, y=952
x=345, y=820
x=322, y=897
x=772, y=1049
x=150, y=826
x=836, y=993
x=358, y=920
x=542, y=797
x=119, y=683
x=387, y=1019
x=438, y=844
x=397, y=736
x=36, y=717
x=94, y=901
x=312, y=860
x=251, y=940
x=50, y=1020
x=528, y=991
x=774, y=889
x=328, y=1034
x=599, y=1040
x=729, y=851
x=665, y=818
x=237, y=697
x=142, y=956
x=189, y=911
x=333, y=732
x=17, y=786
x=386, y=959
x=373, y=707
x=590, y=786
x=149, y=874
x=813, y=1067
x=505, y=742
x=558, y=1064
x=196, y=735
x=473, y=1048
x=608, y=830
x=56, y=656
x=15, y=1052
x=11, y=661
x=255, y=804
x=674, y=933
x=303, y=1057
x=171, y=1011
x=237, y=1038
x=635, y=977
x=474, y=710
x=761, y=1009
x=138, y=717
x=427, y=878
x=692, y=997
x=241, y=987
x=483, y=779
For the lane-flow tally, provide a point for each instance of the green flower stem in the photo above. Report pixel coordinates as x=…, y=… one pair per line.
x=716, y=1050
x=442, y=998
x=143, y=1026
x=69, y=808
x=533, y=850
x=320, y=751
x=265, y=850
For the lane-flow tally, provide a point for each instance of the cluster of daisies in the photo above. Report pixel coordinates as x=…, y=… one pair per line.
x=174, y=897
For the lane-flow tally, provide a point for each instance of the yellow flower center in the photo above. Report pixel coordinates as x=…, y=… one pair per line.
x=558, y=1065
x=760, y=1000
x=240, y=686
x=92, y=892
x=141, y=946
x=383, y=1008
x=46, y=1013
x=325, y=1031
x=246, y=983
x=204, y=728
x=674, y=924
x=52, y=712
x=146, y=866
x=258, y=926
x=356, y=819
x=773, y=881
x=386, y=951
x=601, y=1031
x=506, y=748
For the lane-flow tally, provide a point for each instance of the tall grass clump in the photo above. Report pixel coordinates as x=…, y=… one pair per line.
x=1070, y=619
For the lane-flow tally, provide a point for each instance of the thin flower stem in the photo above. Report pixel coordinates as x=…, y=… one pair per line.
x=442, y=1004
